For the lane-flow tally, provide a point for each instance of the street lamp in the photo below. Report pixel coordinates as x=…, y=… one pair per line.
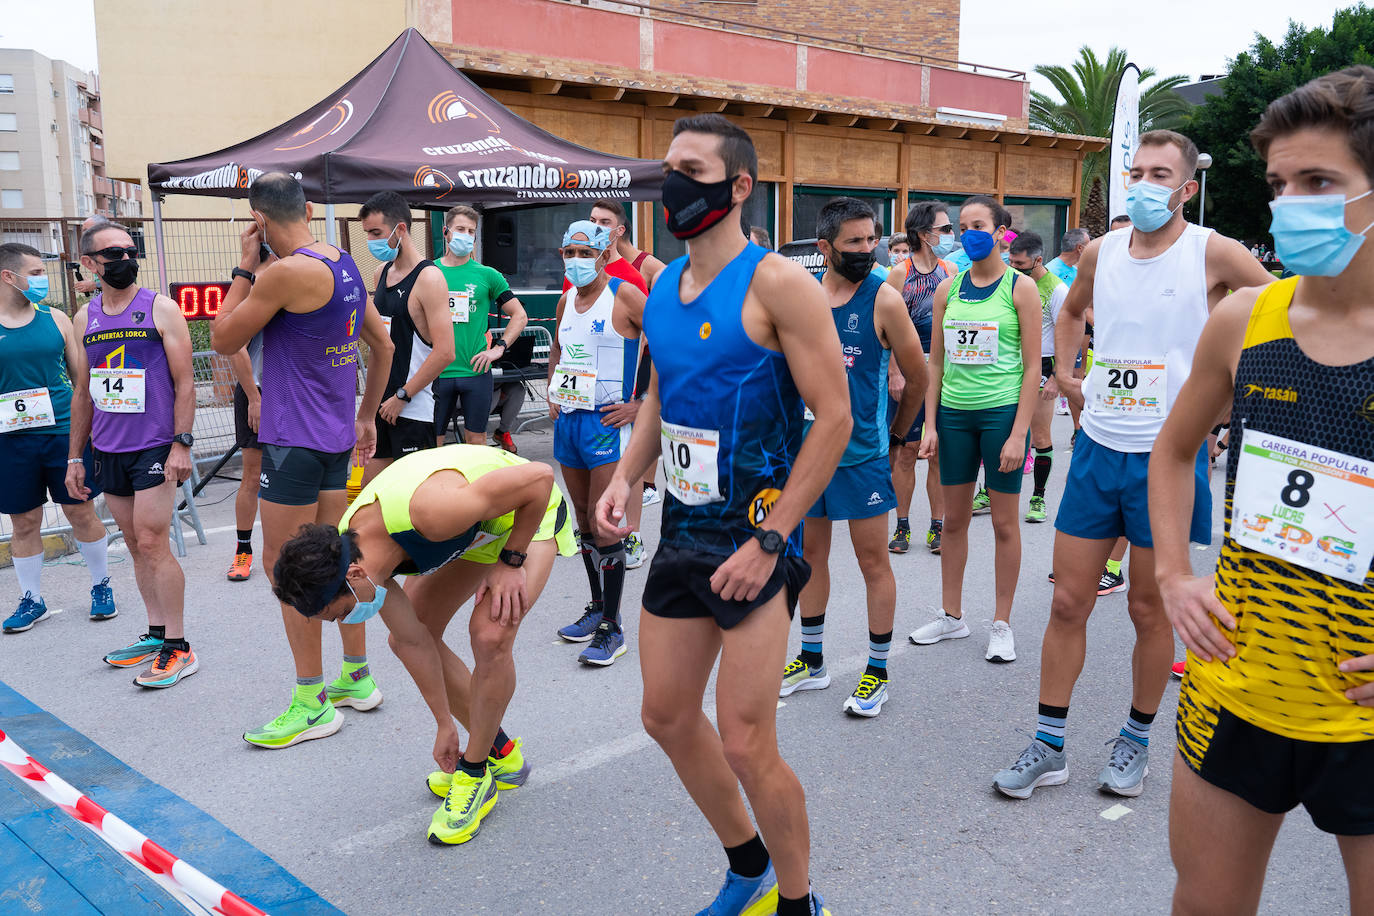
x=1204, y=162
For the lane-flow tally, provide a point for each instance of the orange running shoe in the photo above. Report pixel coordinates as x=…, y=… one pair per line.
x=1179, y=668
x=170, y=666
x=241, y=568
x=507, y=442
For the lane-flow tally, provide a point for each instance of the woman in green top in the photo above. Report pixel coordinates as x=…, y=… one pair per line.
x=984, y=381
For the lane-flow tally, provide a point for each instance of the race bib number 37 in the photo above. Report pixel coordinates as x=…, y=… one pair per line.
x=1307, y=505
x=118, y=390
x=1129, y=387
x=27, y=409
x=971, y=343
x=689, y=463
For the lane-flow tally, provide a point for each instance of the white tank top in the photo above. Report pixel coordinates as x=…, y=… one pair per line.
x=589, y=340
x=1147, y=315
x=421, y=406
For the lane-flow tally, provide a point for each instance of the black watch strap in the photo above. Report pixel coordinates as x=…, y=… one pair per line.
x=512, y=558
x=240, y=272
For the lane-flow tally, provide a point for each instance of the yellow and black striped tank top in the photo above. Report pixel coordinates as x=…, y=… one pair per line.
x=1294, y=625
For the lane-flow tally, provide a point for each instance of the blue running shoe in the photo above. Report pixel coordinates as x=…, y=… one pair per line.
x=582, y=630
x=608, y=644
x=102, y=601
x=26, y=615
x=818, y=905
x=740, y=896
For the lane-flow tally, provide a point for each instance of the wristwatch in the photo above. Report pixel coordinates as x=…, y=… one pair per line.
x=770, y=541
x=240, y=272
x=185, y=439
x=401, y=393
x=500, y=342
x=513, y=558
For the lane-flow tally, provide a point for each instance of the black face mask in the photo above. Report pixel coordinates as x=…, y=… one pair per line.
x=855, y=265
x=691, y=207
x=120, y=274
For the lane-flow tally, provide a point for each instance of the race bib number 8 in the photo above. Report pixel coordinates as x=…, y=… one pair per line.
x=971, y=343
x=573, y=387
x=459, y=306
x=118, y=390
x=27, y=409
x=689, y=463
x=1307, y=505
x=1129, y=387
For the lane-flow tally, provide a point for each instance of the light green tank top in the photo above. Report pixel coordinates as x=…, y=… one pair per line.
x=982, y=358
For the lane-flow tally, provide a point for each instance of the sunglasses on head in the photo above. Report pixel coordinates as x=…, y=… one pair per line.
x=116, y=253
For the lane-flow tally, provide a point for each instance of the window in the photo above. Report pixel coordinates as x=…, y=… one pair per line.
x=757, y=211
x=11, y=200
x=9, y=162
x=1046, y=218
x=7, y=83
x=523, y=244
x=807, y=204
x=9, y=121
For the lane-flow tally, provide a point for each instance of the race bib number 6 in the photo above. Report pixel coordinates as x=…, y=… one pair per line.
x=30, y=408
x=1307, y=505
x=459, y=306
x=689, y=463
x=1129, y=387
x=118, y=390
x=971, y=343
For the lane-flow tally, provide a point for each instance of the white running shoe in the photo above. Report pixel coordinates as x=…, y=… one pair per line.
x=942, y=627
x=1001, y=645
x=651, y=496
x=634, y=551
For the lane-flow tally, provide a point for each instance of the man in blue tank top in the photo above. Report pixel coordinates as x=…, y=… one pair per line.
x=37, y=353
x=312, y=310
x=873, y=325
x=741, y=338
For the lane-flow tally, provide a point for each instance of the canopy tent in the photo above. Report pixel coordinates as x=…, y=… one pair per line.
x=411, y=123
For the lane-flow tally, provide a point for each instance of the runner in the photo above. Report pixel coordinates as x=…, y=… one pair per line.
x=1028, y=256
x=591, y=376
x=134, y=401
x=611, y=214
x=1071, y=245
x=474, y=290
x=310, y=311
x=1277, y=706
x=737, y=333
x=38, y=357
x=873, y=325
x=931, y=234
x=462, y=521
x=898, y=250
x=247, y=367
x=984, y=381
x=412, y=298
x=759, y=236
x=1150, y=289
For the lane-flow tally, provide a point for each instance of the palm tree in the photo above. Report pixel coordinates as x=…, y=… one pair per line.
x=1087, y=101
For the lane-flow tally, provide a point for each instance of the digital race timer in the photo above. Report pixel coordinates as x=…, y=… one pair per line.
x=199, y=301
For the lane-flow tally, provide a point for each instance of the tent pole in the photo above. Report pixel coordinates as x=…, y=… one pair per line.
x=161, y=248
x=331, y=230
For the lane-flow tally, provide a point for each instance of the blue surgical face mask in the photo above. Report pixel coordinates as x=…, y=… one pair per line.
x=977, y=243
x=460, y=243
x=580, y=271
x=1309, y=233
x=945, y=246
x=1147, y=204
x=364, y=610
x=38, y=289
x=381, y=248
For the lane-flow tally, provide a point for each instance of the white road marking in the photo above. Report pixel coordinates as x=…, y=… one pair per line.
x=1116, y=812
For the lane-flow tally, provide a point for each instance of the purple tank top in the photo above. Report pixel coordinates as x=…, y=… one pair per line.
x=125, y=354
x=310, y=366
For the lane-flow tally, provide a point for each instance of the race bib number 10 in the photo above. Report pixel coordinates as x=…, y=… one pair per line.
x=1307, y=505
x=971, y=343
x=27, y=409
x=689, y=463
x=118, y=390
x=1129, y=387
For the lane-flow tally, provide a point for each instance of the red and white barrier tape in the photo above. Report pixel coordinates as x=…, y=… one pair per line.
x=179, y=878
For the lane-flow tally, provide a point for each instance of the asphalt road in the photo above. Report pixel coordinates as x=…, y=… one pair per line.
x=903, y=815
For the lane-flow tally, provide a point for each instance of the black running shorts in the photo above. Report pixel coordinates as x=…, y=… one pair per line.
x=679, y=586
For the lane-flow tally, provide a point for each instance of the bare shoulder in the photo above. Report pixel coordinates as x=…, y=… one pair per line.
x=59, y=318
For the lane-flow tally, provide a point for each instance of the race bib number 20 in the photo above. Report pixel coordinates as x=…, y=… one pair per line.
x=1129, y=387
x=1307, y=505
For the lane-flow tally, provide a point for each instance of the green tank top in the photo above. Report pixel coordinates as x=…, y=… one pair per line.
x=982, y=358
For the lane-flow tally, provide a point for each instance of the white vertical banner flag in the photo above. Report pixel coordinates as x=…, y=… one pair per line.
x=1125, y=139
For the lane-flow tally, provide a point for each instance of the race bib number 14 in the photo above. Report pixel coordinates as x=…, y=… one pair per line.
x=1307, y=505
x=118, y=390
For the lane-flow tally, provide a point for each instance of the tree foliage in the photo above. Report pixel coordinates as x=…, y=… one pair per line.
x=1087, y=100
x=1237, y=194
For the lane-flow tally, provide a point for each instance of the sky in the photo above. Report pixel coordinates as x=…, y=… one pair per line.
x=1191, y=37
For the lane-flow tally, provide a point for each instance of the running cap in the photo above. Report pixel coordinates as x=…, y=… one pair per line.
x=598, y=237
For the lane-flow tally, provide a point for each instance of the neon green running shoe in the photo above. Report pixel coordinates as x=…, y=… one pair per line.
x=510, y=772
x=1036, y=512
x=460, y=816
x=356, y=689
x=302, y=721
x=981, y=503
x=798, y=675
